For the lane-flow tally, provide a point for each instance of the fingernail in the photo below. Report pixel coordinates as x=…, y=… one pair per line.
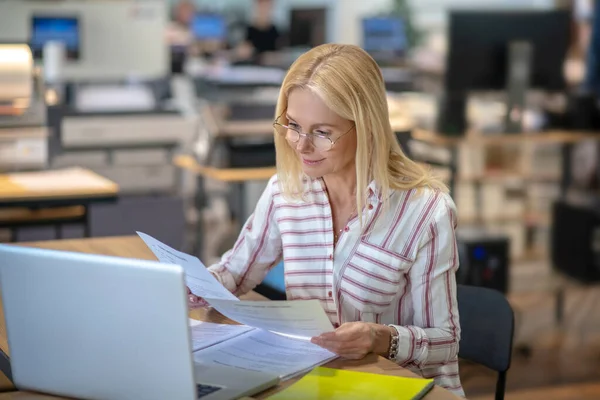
x=192, y=299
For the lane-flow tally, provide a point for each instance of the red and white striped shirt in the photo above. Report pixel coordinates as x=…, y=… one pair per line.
x=402, y=272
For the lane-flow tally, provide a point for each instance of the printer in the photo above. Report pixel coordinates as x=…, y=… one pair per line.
x=125, y=132
x=23, y=131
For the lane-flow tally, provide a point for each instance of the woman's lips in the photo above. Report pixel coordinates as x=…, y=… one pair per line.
x=312, y=162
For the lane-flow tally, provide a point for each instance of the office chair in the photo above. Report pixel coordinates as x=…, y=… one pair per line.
x=487, y=328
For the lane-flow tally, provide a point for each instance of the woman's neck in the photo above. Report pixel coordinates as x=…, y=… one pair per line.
x=341, y=188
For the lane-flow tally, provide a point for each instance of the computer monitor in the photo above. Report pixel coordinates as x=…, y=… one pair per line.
x=307, y=27
x=45, y=28
x=205, y=26
x=384, y=37
x=502, y=50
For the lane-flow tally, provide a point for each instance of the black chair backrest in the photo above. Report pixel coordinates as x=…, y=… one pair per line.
x=487, y=326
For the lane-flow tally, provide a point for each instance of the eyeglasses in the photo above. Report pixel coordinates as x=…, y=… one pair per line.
x=321, y=142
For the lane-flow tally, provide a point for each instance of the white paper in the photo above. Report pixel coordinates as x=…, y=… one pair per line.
x=201, y=282
x=206, y=334
x=298, y=318
x=266, y=352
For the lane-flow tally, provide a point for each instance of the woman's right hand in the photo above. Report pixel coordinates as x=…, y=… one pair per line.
x=195, y=301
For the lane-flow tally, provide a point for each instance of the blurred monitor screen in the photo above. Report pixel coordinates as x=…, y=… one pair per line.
x=384, y=35
x=478, y=47
x=208, y=27
x=307, y=27
x=55, y=28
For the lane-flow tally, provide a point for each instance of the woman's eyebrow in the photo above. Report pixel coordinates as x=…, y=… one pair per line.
x=289, y=117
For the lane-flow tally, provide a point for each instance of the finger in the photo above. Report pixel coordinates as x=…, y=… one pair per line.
x=339, y=347
x=195, y=301
x=342, y=334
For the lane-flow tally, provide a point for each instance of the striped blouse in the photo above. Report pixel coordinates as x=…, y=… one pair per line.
x=401, y=272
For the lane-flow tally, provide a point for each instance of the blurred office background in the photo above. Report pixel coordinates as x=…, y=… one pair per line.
x=173, y=101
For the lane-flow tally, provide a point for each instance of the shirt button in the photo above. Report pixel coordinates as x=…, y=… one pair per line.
x=330, y=294
x=331, y=256
x=346, y=229
x=370, y=206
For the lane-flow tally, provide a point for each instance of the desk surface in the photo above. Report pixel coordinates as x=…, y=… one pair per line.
x=224, y=174
x=132, y=246
x=478, y=138
x=49, y=185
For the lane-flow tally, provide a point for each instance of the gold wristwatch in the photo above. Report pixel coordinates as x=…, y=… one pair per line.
x=394, y=343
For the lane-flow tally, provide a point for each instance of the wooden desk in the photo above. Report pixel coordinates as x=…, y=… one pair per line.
x=52, y=197
x=132, y=246
x=478, y=138
x=224, y=174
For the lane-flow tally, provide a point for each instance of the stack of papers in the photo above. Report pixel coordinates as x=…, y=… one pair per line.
x=244, y=347
x=274, y=336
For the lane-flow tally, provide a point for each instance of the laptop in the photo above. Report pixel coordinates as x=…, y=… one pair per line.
x=100, y=327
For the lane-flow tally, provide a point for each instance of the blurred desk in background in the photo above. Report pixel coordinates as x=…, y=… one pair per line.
x=236, y=177
x=52, y=197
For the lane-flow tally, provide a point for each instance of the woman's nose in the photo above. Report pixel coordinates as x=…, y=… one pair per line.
x=304, y=145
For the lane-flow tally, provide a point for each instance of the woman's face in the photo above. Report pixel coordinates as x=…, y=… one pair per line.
x=307, y=113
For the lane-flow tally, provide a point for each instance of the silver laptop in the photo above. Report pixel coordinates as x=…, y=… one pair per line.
x=99, y=327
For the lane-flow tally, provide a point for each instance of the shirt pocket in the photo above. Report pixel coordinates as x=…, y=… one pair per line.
x=373, y=278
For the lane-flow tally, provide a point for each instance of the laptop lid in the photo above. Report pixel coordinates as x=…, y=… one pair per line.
x=96, y=327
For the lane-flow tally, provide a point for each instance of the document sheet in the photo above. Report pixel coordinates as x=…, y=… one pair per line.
x=201, y=282
x=206, y=334
x=267, y=352
x=301, y=319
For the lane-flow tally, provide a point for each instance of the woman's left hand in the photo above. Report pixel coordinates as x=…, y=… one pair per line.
x=354, y=340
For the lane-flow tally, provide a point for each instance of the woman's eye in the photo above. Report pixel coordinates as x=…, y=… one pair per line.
x=293, y=125
x=322, y=133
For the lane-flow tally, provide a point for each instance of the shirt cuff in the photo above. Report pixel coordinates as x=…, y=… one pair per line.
x=224, y=277
x=407, y=344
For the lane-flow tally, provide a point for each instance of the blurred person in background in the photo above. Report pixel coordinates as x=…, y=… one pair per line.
x=178, y=35
x=178, y=31
x=262, y=36
x=183, y=13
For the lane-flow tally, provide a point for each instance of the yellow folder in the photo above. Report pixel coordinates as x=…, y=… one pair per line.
x=336, y=384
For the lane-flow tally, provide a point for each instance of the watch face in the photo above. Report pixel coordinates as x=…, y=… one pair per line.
x=584, y=164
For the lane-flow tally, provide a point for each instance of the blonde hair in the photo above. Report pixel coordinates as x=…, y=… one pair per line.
x=350, y=83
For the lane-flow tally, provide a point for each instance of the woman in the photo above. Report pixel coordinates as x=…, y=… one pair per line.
x=385, y=276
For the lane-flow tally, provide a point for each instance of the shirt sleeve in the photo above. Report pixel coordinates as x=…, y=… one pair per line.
x=257, y=249
x=433, y=338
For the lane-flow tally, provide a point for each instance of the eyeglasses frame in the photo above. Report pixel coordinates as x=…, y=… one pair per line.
x=310, y=136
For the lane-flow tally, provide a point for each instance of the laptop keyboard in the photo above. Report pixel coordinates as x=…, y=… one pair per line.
x=205, y=390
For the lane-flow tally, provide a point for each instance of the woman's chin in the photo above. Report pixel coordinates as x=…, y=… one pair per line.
x=312, y=173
